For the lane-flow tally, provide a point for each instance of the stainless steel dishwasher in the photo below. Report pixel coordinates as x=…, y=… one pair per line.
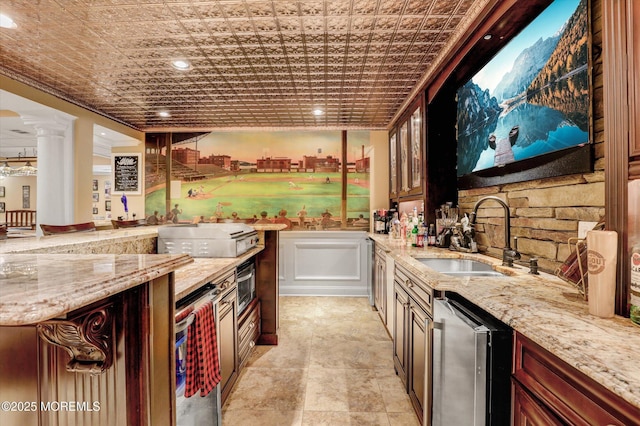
x=471, y=365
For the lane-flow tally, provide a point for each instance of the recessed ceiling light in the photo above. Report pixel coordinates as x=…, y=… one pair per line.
x=164, y=114
x=7, y=22
x=103, y=134
x=487, y=36
x=318, y=111
x=181, y=64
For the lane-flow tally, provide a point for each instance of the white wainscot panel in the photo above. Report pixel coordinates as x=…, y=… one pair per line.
x=323, y=261
x=319, y=263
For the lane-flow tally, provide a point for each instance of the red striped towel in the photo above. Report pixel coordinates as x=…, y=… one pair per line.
x=203, y=363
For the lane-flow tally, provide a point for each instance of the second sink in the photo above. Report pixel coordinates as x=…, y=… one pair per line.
x=459, y=266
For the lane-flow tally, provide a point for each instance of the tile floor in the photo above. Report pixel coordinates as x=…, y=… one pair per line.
x=333, y=366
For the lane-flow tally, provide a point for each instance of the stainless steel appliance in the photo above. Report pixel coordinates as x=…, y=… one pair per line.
x=246, y=284
x=195, y=410
x=471, y=365
x=207, y=239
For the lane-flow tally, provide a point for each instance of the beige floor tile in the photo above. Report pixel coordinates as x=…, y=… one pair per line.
x=403, y=419
x=332, y=418
x=331, y=389
x=333, y=365
x=262, y=418
x=350, y=354
x=269, y=389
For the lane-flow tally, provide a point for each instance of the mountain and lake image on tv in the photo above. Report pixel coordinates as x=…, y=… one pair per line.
x=532, y=98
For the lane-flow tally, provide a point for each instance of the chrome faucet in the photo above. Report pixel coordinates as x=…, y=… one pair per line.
x=508, y=254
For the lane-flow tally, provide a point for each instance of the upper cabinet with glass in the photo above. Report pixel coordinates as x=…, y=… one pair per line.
x=406, y=148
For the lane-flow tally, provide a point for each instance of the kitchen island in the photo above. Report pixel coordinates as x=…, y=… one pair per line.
x=84, y=338
x=545, y=310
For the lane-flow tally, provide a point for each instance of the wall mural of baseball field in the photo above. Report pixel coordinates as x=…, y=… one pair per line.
x=293, y=176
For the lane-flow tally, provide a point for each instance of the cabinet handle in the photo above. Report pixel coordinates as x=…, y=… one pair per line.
x=408, y=283
x=225, y=285
x=252, y=344
x=252, y=324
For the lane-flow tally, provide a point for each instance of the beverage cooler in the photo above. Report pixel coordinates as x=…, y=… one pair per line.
x=195, y=410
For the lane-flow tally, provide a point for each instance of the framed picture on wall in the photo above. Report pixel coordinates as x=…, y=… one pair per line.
x=1, y=191
x=96, y=197
x=2, y=206
x=95, y=210
x=107, y=205
x=26, y=196
x=95, y=184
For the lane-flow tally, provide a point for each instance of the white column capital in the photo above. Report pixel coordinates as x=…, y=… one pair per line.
x=51, y=125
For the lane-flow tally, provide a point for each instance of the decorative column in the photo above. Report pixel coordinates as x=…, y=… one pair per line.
x=55, y=196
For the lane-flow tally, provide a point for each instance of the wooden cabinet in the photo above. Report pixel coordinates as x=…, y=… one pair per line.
x=380, y=283
x=226, y=315
x=547, y=390
x=400, y=331
x=412, y=338
x=527, y=411
x=248, y=331
x=419, y=355
x=406, y=153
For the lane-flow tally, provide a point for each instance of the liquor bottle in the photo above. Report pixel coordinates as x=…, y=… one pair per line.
x=431, y=235
x=414, y=236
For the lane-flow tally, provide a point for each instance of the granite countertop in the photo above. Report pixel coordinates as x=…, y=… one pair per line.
x=545, y=309
x=39, y=287
x=76, y=239
x=203, y=270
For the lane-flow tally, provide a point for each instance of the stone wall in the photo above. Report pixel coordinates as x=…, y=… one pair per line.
x=545, y=212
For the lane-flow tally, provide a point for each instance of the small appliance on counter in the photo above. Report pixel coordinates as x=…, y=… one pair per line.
x=207, y=239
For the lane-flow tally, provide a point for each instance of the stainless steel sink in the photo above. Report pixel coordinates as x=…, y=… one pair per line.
x=460, y=267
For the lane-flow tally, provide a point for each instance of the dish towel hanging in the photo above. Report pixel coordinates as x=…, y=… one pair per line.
x=203, y=363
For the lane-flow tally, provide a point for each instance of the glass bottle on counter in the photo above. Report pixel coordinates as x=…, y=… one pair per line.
x=414, y=235
x=431, y=235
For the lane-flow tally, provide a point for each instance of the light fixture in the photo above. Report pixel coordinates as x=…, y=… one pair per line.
x=26, y=170
x=7, y=22
x=318, y=112
x=181, y=64
x=487, y=36
x=164, y=114
x=5, y=169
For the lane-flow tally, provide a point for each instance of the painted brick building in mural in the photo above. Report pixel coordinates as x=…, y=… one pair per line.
x=223, y=161
x=276, y=164
x=185, y=155
x=319, y=164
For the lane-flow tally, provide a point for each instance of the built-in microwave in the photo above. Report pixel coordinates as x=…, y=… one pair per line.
x=246, y=279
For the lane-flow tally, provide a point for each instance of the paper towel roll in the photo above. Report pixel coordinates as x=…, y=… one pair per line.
x=602, y=256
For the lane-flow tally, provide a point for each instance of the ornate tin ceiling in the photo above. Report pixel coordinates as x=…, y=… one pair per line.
x=254, y=63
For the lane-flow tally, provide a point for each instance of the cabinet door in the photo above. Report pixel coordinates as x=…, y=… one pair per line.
x=400, y=328
x=227, y=330
x=380, y=283
x=393, y=165
x=527, y=411
x=419, y=359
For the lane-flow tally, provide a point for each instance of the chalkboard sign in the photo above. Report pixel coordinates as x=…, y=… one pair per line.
x=126, y=173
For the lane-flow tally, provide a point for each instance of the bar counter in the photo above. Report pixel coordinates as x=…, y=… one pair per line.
x=39, y=287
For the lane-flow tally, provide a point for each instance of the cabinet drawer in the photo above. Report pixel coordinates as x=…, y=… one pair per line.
x=422, y=293
x=249, y=324
x=568, y=393
x=248, y=332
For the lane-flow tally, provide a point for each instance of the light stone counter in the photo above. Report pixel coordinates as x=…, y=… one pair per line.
x=203, y=270
x=39, y=287
x=545, y=309
x=126, y=240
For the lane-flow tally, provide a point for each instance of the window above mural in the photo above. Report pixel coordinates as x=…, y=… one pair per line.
x=293, y=177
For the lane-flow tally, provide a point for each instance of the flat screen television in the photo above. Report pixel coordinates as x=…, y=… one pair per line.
x=526, y=114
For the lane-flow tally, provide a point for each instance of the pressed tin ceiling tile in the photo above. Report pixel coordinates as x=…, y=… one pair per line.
x=255, y=63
